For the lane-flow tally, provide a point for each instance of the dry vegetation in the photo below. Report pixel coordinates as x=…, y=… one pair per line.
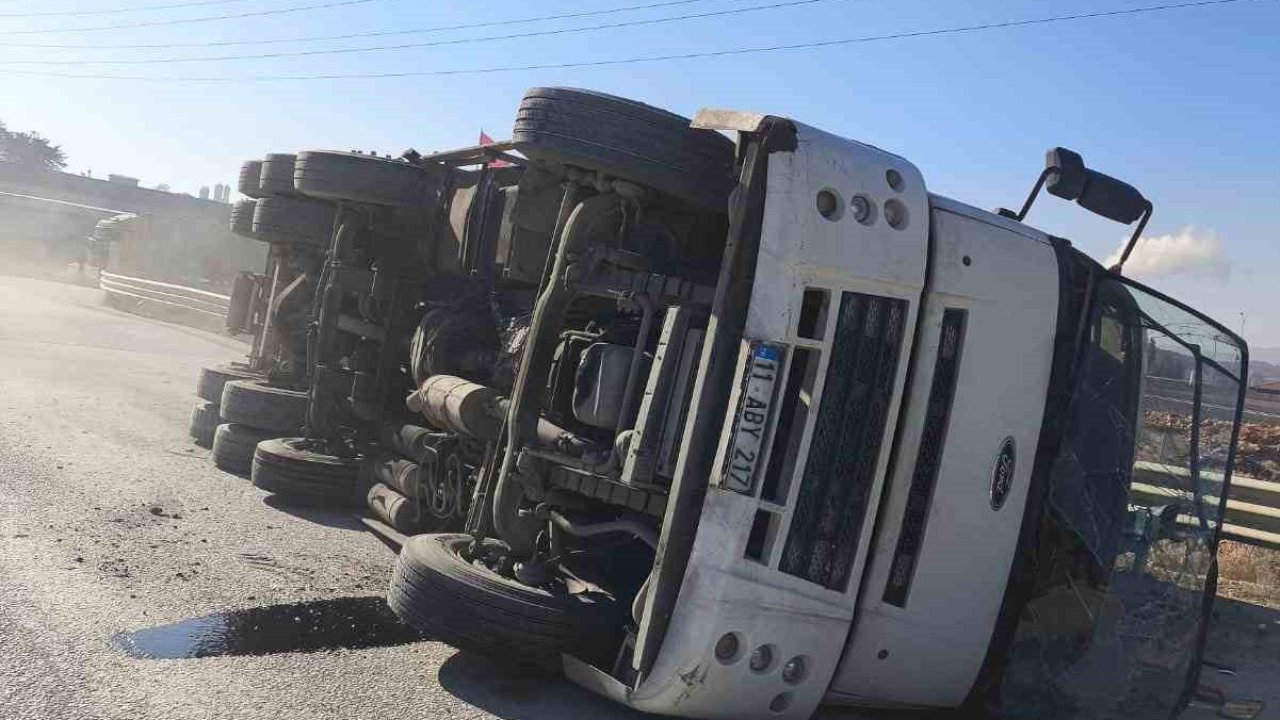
x=1247, y=573
x=1258, y=454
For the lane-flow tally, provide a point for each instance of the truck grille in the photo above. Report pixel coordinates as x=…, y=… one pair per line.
x=845, y=449
x=933, y=438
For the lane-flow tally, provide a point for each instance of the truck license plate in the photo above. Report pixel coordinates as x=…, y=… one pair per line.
x=749, y=426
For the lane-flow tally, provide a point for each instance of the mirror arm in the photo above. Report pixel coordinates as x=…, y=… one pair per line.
x=1133, y=239
x=1026, y=206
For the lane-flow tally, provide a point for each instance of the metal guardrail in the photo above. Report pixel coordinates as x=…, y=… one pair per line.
x=165, y=294
x=1253, y=505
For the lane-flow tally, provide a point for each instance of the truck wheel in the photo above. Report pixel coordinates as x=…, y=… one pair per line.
x=261, y=406
x=438, y=588
x=296, y=469
x=250, y=174
x=212, y=379
x=296, y=221
x=233, y=447
x=626, y=139
x=277, y=174
x=363, y=179
x=242, y=218
x=204, y=420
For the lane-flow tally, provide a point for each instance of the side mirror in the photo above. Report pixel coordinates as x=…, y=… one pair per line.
x=1096, y=192
x=1065, y=173
x=1066, y=176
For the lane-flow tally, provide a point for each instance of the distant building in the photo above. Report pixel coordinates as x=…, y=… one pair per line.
x=1271, y=387
x=47, y=216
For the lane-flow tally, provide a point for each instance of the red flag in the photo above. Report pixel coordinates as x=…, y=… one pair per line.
x=486, y=140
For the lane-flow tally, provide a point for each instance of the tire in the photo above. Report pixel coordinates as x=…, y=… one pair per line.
x=277, y=174
x=233, y=447
x=242, y=218
x=294, y=221
x=292, y=469
x=204, y=421
x=264, y=407
x=437, y=591
x=364, y=179
x=250, y=172
x=626, y=139
x=213, y=379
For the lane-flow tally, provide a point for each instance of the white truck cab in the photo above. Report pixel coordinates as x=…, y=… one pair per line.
x=905, y=476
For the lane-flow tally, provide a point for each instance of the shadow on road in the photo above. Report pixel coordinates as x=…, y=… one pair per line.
x=513, y=693
x=312, y=513
x=348, y=622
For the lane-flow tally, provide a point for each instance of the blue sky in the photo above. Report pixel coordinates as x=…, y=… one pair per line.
x=1182, y=104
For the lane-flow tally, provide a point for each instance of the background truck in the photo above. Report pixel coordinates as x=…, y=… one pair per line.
x=265, y=395
x=378, y=271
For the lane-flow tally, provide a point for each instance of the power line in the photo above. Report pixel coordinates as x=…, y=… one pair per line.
x=187, y=21
x=114, y=11
x=352, y=36
x=655, y=58
x=434, y=43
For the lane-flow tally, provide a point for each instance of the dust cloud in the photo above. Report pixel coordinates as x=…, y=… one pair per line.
x=1189, y=252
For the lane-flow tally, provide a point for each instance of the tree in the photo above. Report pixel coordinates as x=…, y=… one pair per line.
x=30, y=150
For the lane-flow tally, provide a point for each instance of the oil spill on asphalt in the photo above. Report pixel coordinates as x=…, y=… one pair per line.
x=349, y=622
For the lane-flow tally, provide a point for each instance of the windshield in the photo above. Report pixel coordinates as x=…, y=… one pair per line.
x=1124, y=562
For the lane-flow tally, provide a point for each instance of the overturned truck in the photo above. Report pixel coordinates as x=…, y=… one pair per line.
x=732, y=429
x=788, y=429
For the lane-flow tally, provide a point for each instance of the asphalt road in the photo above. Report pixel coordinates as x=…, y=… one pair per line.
x=112, y=521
